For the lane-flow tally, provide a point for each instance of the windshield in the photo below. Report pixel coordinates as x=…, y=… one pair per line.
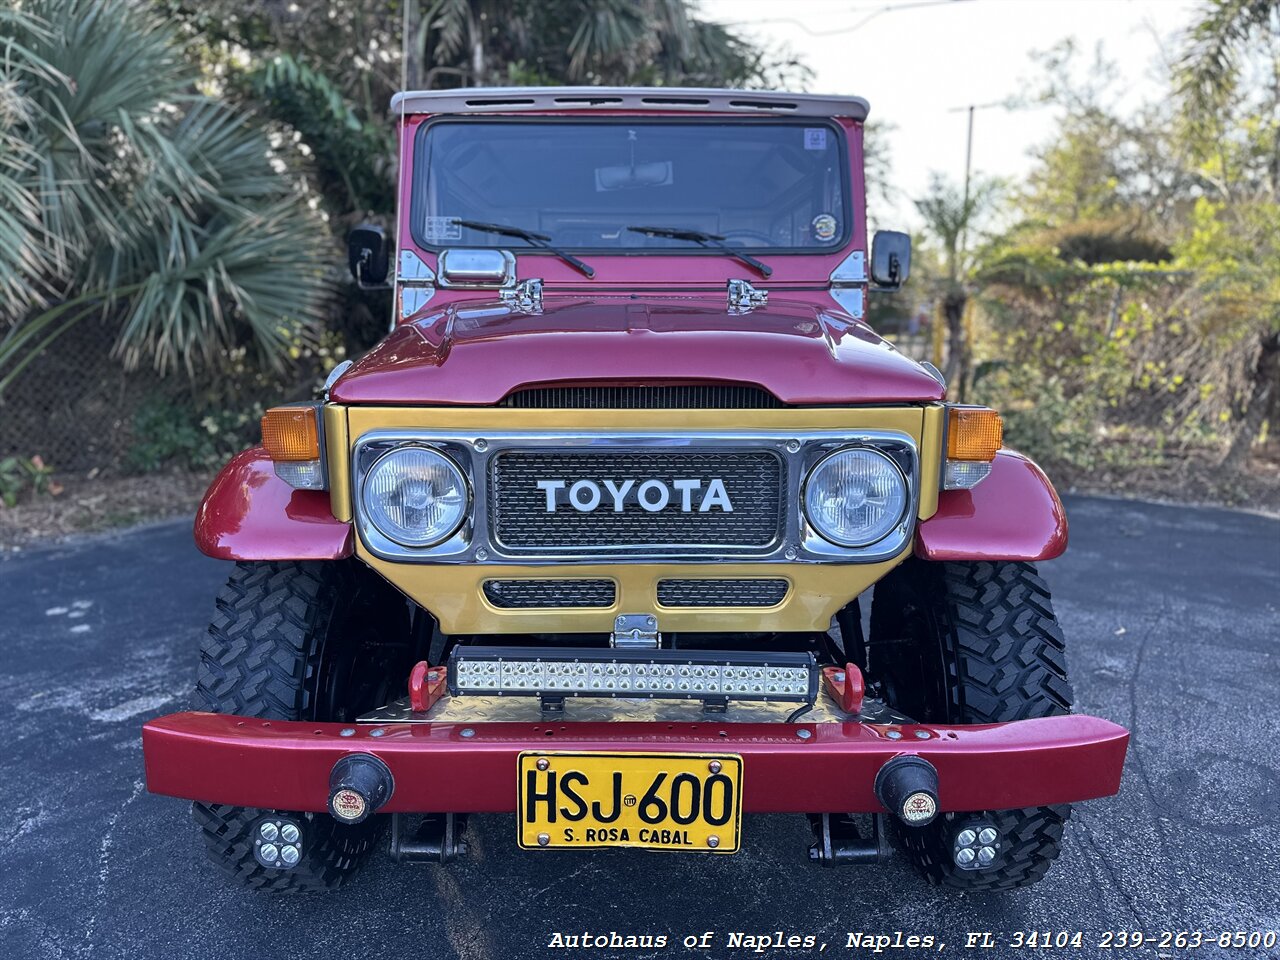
x=768, y=186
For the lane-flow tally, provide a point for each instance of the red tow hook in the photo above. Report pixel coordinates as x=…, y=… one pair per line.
x=426, y=686
x=845, y=687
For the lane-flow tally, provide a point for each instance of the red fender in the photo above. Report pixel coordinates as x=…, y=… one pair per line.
x=1014, y=514
x=251, y=514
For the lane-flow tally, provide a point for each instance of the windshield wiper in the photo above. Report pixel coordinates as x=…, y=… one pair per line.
x=533, y=239
x=713, y=240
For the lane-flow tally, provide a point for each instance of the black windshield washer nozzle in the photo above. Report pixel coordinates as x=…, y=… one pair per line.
x=359, y=785
x=908, y=788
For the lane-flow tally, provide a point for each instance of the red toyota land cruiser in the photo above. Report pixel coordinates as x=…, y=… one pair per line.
x=632, y=526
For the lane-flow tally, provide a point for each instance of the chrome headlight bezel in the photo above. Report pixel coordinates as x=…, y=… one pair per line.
x=474, y=452
x=369, y=523
x=905, y=486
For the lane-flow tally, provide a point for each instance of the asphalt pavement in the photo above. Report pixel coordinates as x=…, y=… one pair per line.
x=1173, y=623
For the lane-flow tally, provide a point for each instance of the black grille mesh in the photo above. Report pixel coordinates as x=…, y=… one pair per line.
x=721, y=593
x=754, y=481
x=686, y=397
x=510, y=594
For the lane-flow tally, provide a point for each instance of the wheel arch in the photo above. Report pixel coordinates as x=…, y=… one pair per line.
x=1013, y=514
x=248, y=513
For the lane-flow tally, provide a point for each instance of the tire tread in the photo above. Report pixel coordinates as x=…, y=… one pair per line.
x=262, y=648
x=1008, y=655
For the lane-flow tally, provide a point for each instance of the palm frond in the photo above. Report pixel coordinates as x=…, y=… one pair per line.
x=1209, y=67
x=606, y=29
x=451, y=21
x=123, y=190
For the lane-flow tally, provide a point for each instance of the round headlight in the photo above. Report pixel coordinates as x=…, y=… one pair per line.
x=415, y=496
x=855, y=497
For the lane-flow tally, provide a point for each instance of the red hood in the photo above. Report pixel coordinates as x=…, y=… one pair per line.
x=475, y=354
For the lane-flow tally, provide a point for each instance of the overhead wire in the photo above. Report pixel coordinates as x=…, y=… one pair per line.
x=827, y=31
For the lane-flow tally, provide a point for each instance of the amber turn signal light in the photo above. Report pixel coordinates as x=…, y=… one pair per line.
x=290, y=433
x=974, y=433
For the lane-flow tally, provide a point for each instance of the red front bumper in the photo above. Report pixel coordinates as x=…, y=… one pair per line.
x=787, y=768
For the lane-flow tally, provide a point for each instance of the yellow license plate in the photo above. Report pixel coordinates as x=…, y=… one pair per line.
x=658, y=801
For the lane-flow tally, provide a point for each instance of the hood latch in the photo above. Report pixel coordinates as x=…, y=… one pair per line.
x=743, y=297
x=635, y=631
x=525, y=296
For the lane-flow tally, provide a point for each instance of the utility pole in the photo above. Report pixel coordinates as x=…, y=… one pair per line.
x=968, y=166
x=965, y=334
x=968, y=158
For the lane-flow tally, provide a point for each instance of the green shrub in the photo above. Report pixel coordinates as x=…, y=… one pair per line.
x=1042, y=418
x=177, y=434
x=1106, y=240
x=21, y=473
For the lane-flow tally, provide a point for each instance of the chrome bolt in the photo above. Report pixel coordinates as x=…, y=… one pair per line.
x=791, y=553
x=714, y=766
x=543, y=763
x=347, y=732
x=894, y=734
x=482, y=554
x=544, y=839
x=965, y=838
x=377, y=733
x=290, y=854
x=988, y=836
x=468, y=732
x=803, y=734
x=793, y=446
x=289, y=833
x=713, y=842
x=965, y=856
x=922, y=734
x=986, y=855
x=482, y=444
x=268, y=831
x=270, y=852
x=650, y=622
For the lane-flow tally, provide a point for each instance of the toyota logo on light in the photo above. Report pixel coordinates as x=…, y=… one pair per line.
x=652, y=496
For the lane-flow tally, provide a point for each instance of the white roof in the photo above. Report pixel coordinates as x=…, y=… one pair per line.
x=534, y=99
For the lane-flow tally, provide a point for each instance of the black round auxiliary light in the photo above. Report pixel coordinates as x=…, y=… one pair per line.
x=359, y=784
x=908, y=788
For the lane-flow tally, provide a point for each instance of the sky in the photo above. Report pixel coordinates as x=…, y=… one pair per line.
x=917, y=64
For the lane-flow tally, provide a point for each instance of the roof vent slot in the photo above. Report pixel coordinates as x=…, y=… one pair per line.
x=677, y=101
x=588, y=101
x=499, y=102
x=762, y=105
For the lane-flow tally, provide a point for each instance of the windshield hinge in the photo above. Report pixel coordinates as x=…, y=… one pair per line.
x=743, y=297
x=525, y=296
x=848, y=280
x=417, y=284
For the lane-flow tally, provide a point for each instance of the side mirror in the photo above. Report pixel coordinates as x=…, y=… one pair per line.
x=890, y=259
x=367, y=255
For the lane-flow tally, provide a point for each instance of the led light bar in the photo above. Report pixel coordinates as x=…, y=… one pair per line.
x=641, y=674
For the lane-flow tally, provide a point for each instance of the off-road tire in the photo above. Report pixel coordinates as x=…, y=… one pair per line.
x=275, y=650
x=973, y=643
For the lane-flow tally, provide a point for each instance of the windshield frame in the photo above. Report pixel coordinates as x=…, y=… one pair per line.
x=516, y=246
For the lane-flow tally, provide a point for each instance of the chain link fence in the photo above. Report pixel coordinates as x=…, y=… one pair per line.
x=74, y=404
x=80, y=411
x=77, y=408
